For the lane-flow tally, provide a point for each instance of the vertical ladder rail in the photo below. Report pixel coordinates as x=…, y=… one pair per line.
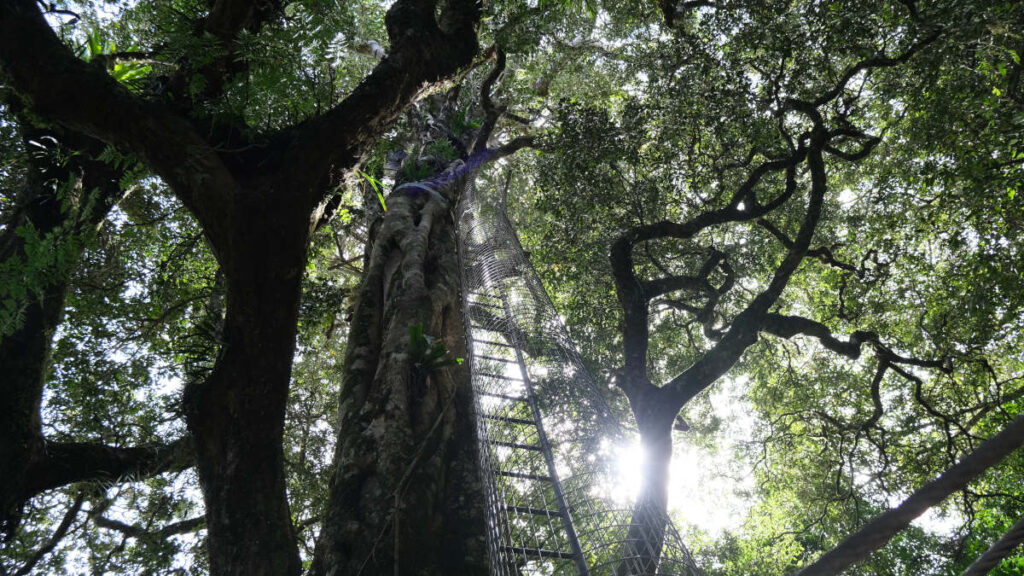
x=542, y=440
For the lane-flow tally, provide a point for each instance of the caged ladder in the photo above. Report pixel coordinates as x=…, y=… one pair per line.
x=526, y=488
x=547, y=433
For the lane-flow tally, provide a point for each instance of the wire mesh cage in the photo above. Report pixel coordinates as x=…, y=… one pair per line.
x=548, y=436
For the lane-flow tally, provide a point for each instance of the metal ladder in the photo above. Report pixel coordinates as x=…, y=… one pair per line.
x=528, y=488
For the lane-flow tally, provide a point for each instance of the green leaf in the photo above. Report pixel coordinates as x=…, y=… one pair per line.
x=377, y=187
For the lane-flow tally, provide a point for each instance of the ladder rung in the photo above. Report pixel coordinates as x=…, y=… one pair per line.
x=534, y=511
x=540, y=552
x=500, y=377
x=522, y=475
x=482, y=327
x=514, y=445
x=510, y=420
x=506, y=360
x=492, y=343
x=505, y=396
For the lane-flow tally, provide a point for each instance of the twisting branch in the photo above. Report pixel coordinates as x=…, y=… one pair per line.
x=424, y=49
x=742, y=207
x=876, y=396
x=514, y=145
x=868, y=144
x=822, y=253
x=876, y=61
x=491, y=111
x=654, y=406
x=701, y=284
x=785, y=326
x=65, y=89
x=788, y=326
x=743, y=331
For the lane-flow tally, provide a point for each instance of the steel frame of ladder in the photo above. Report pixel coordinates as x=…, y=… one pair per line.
x=529, y=520
x=544, y=445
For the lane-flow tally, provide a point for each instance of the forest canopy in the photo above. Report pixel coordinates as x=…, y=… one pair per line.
x=784, y=235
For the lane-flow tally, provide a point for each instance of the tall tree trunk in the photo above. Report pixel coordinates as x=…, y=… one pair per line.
x=406, y=496
x=237, y=414
x=646, y=535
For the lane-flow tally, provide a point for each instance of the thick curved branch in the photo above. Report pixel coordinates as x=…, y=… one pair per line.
x=660, y=286
x=788, y=326
x=71, y=211
x=701, y=283
x=876, y=61
x=622, y=260
x=491, y=111
x=630, y=289
x=822, y=253
x=876, y=395
x=868, y=143
x=743, y=331
x=514, y=145
x=878, y=532
x=69, y=91
x=785, y=326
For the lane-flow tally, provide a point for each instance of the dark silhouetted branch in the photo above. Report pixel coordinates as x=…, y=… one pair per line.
x=56, y=537
x=65, y=89
x=857, y=547
x=70, y=462
x=182, y=527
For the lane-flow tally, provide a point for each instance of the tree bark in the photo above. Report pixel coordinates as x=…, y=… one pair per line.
x=237, y=414
x=406, y=496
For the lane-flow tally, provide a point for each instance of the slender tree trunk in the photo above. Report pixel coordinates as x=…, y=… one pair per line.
x=406, y=497
x=646, y=535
